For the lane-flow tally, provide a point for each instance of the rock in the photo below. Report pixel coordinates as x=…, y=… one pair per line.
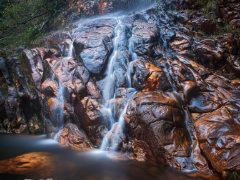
x=94, y=45
x=234, y=62
x=49, y=87
x=92, y=119
x=71, y=136
x=206, y=25
x=235, y=23
x=93, y=90
x=148, y=77
x=35, y=64
x=156, y=119
x=60, y=43
x=144, y=36
x=209, y=53
x=181, y=44
x=141, y=151
x=189, y=89
x=4, y=71
x=218, y=134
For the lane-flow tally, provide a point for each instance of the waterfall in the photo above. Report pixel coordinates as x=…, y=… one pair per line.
x=59, y=111
x=133, y=4
x=109, y=81
x=113, y=137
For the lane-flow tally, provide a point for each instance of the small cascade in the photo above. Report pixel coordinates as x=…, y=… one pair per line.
x=131, y=50
x=59, y=111
x=110, y=79
x=58, y=114
x=109, y=87
x=133, y=4
x=60, y=98
x=113, y=138
x=70, y=50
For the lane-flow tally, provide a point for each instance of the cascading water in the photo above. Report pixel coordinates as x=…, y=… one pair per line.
x=109, y=88
x=59, y=111
x=113, y=137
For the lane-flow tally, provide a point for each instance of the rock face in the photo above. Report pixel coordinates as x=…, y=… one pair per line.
x=155, y=117
x=20, y=105
x=185, y=112
x=94, y=45
x=71, y=136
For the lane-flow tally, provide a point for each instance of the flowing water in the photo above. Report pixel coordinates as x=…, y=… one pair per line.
x=121, y=42
x=38, y=157
x=83, y=165
x=114, y=136
x=59, y=110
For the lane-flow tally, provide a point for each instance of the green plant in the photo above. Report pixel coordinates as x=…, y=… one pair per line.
x=235, y=175
x=22, y=21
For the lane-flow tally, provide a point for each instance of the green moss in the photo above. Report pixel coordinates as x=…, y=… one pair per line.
x=23, y=21
x=235, y=175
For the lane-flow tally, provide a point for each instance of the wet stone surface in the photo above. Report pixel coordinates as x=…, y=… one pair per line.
x=170, y=94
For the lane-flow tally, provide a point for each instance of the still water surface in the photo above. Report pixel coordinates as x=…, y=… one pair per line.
x=38, y=157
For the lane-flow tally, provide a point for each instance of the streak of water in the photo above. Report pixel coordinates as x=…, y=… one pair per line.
x=59, y=110
x=110, y=79
x=114, y=136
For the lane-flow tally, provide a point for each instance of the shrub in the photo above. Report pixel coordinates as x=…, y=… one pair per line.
x=24, y=20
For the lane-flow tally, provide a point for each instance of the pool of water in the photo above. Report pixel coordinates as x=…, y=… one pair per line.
x=38, y=157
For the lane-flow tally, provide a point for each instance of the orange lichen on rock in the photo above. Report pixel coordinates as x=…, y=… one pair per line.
x=153, y=80
x=52, y=103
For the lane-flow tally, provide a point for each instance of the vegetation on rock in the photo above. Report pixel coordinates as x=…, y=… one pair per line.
x=22, y=21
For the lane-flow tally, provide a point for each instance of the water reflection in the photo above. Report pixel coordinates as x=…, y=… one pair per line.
x=38, y=157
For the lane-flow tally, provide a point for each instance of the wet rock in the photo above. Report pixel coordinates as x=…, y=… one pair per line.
x=94, y=45
x=92, y=119
x=206, y=25
x=234, y=62
x=92, y=109
x=181, y=44
x=144, y=37
x=205, y=102
x=93, y=90
x=218, y=134
x=36, y=66
x=148, y=77
x=59, y=42
x=155, y=118
x=19, y=99
x=189, y=89
x=71, y=136
x=182, y=75
x=209, y=53
x=141, y=151
x=49, y=87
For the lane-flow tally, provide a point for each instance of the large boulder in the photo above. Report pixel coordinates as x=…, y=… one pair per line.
x=92, y=122
x=93, y=44
x=156, y=118
x=71, y=136
x=219, y=137
x=144, y=37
